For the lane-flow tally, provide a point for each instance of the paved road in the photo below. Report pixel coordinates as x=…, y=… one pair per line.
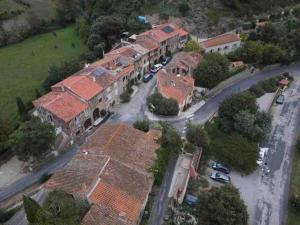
x=138, y=102
x=266, y=196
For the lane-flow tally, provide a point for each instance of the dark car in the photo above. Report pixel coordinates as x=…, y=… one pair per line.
x=223, y=178
x=147, y=77
x=166, y=60
x=280, y=99
x=220, y=167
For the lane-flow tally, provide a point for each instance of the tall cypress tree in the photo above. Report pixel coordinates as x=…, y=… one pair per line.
x=31, y=208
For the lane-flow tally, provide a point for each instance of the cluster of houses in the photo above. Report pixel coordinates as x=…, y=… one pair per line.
x=82, y=100
x=111, y=170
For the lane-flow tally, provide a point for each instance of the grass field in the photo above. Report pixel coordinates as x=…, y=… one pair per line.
x=24, y=66
x=293, y=216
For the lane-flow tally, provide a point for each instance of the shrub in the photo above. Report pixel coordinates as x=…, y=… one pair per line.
x=269, y=85
x=192, y=46
x=257, y=90
x=189, y=148
x=163, y=106
x=183, y=8
x=197, y=135
x=142, y=125
x=125, y=97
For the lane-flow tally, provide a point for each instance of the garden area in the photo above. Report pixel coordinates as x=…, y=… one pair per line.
x=24, y=66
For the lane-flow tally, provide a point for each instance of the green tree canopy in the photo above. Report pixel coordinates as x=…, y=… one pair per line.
x=192, y=46
x=4, y=133
x=212, y=70
x=222, y=206
x=240, y=154
x=163, y=106
x=143, y=125
x=32, y=138
x=59, y=208
x=197, y=135
x=231, y=106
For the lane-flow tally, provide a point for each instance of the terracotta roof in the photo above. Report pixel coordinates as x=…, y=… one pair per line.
x=125, y=51
x=80, y=174
x=83, y=86
x=163, y=32
x=122, y=190
x=148, y=44
x=220, y=40
x=98, y=215
x=182, y=32
x=178, y=88
x=125, y=144
x=186, y=60
x=63, y=105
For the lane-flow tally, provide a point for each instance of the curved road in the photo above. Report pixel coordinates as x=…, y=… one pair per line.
x=200, y=116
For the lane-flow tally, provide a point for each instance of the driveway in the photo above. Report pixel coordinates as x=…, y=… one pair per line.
x=266, y=196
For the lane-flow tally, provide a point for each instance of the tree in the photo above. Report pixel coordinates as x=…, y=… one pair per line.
x=269, y=33
x=142, y=125
x=257, y=90
x=240, y=154
x=213, y=69
x=271, y=54
x=222, y=206
x=163, y=106
x=82, y=28
x=183, y=8
x=32, y=138
x=192, y=46
x=32, y=209
x=197, y=135
x=252, y=52
x=244, y=123
x=59, y=208
x=22, y=109
x=231, y=106
x=4, y=133
x=170, y=139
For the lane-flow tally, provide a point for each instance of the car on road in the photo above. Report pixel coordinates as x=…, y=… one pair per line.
x=165, y=60
x=156, y=68
x=217, y=176
x=147, y=77
x=280, y=99
x=261, y=156
x=220, y=167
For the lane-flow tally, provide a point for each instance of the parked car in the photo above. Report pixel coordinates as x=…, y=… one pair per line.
x=261, y=156
x=217, y=176
x=220, y=167
x=165, y=60
x=156, y=68
x=147, y=77
x=280, y=99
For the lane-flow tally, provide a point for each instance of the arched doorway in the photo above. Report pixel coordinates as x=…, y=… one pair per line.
x=96, y=114
x=87, y=123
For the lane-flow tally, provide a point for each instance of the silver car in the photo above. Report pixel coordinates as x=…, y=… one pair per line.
x=217, y=176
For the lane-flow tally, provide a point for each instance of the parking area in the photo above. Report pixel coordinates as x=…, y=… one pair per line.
x=266, y=195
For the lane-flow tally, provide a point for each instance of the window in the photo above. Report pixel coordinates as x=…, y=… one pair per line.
x=211, y=50
x=77, y=132
x=219, y=49
x=100, y=100
x=50, y=118
x=123, y=79
x=77, y=120
x=160, y=51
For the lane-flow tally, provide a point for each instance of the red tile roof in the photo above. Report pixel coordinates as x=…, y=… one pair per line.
x=124, y=143
x=220, y=40
x=185, y=60
x=148, y=44
x=178, y=88
x=83, y=86
x=160, y=34
x=62, y=104
x=112, y=197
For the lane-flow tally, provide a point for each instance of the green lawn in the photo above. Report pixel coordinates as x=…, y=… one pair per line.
x=293, y=216
x=24, y=66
